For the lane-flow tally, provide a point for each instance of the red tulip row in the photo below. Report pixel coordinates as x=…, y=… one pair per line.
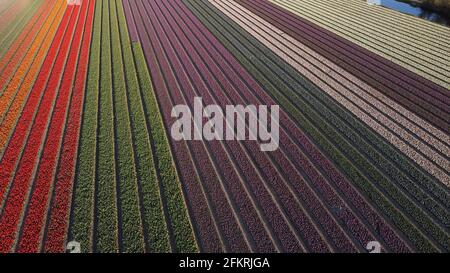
x=35, y=219
x=22, y=161
x=60, y=206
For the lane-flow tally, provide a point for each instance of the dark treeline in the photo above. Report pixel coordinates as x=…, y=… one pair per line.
x=438, y=8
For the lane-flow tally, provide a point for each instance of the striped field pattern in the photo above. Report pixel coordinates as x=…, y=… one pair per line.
x=87, y=92
x=389, y=34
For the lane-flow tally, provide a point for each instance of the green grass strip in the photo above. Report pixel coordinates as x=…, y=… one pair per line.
x=183, y=235
x=16, y=26
x=106, y=230
x=333, y=145
x=130, y=217
x=157, y=236
x=81, y=225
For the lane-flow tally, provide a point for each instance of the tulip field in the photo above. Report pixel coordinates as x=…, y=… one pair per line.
x=88, y=90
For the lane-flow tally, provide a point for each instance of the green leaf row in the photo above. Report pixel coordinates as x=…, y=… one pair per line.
x=82, y=214
x=184, y=239
x=157, y=236
x=132, y=239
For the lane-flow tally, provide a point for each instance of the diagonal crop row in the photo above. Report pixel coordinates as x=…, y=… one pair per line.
x=387, y=39
x=231, y=181
x=210, y=179
x=409, y=185
x=106, y=222
x=187, y=90
x=174, y=203
x=428, y=89
x=12, y=18
x=12, y=59
x=401, y=85
x=317, y=179
x=127, y=73
x=55, y=233
x=438, y=171
x=132, y=239
x=155, y=226
x=37, y=207
x=183, y=234
x=352, y=83
x=5, y=5
x=416, y=176
x=14, y=149
x=17, y=28
x=27, y=59
x=291, y=172
x=266, y=169
x=16, y=93
x=431, y=89
x=204, y=222
x=391, y=46
x=82, y=205
x=408, y=207
x=15, y=204
x=259, y=192
x=295, y=156
x=242, y=58
x=6, y=42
